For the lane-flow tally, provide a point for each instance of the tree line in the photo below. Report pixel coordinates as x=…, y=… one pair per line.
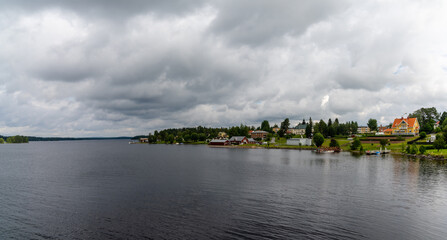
x=197, y=134
x=14, y=139
x=200, y=133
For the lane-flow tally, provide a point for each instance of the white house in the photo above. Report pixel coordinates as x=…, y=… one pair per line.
x=299, y=141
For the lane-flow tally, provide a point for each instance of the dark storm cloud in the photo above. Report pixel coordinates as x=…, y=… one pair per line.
x=128, y=67
x=257, y=22
x=112, y=9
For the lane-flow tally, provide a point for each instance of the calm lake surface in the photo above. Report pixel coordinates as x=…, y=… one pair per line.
x=113, y=190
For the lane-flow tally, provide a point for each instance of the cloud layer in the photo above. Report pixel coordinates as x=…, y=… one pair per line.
x=108, y=68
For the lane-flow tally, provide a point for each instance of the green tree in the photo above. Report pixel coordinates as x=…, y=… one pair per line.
x=414, y=149
x=422, y=135
x=426, y=118
x=152, y=138
x=285, y=126
x=439, y=143
x=422, y=149
x=170, y=139
x=202, y=137
x=443, y=117
x=334, y=143
x=322, y=127
x=265, y=126
x=428, y=127
x=2, y=141
x=383, y=142
x=331, y=131
x=444, y=123
x=318, y=139
x=372, y=124
x=194, y=137
x=356, y=144
x=309, y=128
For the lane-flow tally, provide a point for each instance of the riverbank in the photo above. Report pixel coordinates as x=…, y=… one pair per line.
x=396, y=149
x=252, y=146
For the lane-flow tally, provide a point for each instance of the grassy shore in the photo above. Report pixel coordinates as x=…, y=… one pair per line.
x=442, y=152
x=345, y=145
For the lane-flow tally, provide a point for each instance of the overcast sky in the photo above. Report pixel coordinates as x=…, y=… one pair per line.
x=122, y=68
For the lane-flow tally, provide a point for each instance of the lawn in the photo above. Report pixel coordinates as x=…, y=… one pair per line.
x=442, y=152
x=345, y=144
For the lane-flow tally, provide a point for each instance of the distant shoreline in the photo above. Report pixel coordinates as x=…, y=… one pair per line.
x=54, y=139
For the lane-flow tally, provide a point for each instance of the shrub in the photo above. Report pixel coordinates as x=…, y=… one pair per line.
x=383, y=142
x=422, y=135
x=356, y=144
x=414, y=149
x=318, y=139
x=439, y=143
x=422, y=149
x=334, y=143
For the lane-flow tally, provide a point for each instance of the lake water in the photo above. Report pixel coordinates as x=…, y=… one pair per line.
x=113, y=190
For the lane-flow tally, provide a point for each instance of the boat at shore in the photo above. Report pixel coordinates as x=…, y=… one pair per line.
x=328, y=150
x=377, y=152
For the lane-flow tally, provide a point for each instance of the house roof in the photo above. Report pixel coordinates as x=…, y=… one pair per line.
x=259, y=131
x=219, y=140
x=237, y=138
x=388, y=130
x=409, y=121
x=301, y=126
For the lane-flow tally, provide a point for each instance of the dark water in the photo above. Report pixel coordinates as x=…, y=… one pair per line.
x=113, y=190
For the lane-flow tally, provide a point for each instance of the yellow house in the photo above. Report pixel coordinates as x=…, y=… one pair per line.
x=404, y=126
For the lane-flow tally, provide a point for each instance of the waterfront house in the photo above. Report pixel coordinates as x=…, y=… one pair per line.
x=259, y=134
x=299, y=129
x=252, y=141
x=222, y=135
x=381, y=129
x=275, y=129
x=237, y=140
x=363, y=129
x=388, y=131
x=221, y=142
x=299, y=141
x=404, y=126
x=431, y=138
x=144, y=140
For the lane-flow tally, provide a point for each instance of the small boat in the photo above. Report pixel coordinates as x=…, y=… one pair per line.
x=377, y=152
x=328, y=150
x=373, y=152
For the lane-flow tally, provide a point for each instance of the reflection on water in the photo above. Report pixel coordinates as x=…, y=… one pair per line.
x=113, y=190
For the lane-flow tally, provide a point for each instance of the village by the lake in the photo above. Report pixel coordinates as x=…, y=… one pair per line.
x=421, y=133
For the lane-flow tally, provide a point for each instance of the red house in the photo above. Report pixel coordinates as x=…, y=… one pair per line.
x=220, y=142
x=237, y=140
